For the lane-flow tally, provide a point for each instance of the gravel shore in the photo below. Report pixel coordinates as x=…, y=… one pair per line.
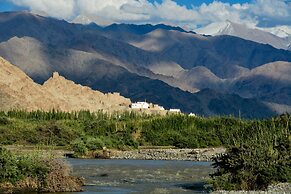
x=168, y=154
x=281, y=188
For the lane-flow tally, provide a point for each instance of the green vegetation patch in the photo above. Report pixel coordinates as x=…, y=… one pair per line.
x=258, y=156
x=258, y=151
x=34, y=173
x=14, y=168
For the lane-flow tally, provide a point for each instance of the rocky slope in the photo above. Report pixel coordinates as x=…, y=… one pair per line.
x=18, y=91
x=82, y=97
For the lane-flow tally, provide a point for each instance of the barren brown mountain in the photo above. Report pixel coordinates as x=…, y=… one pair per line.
x=17, y=90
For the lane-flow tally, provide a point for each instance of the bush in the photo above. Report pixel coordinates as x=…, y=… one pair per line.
x=94, y=143
x=59, y=179
x=33, y=166
x=260, y=156
x=4, y=121
x=32, y=173
x=245, y=168
x=9, y=170
x=79, y=148
x=13, y=168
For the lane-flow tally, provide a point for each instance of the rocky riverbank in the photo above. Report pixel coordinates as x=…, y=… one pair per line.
x=205, y=154
x=281, y=188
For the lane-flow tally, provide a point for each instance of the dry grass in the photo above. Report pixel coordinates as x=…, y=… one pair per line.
x=59, y=179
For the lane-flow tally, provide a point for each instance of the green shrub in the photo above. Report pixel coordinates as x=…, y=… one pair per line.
x=94, y=143
x=33, y=173
x=245, y=168
x=33, y=166
x=260, y=156
x=4, y=120
x=79, y=147
x=14, y=168
x=9, y=170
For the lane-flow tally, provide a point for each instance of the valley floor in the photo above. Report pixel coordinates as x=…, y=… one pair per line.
x=257, y=151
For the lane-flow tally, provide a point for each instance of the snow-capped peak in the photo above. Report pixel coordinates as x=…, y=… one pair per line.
x=245, y=32
x=281, y=31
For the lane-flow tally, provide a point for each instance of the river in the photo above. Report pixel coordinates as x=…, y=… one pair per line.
x=141, y=176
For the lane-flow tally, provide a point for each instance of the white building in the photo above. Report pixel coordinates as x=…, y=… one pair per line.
x=140, y=105
x=175, y=110
x=192, y=114
x=158, y=107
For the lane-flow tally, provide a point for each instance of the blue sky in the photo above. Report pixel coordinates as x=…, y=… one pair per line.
x=185, y=13
x=5, y=6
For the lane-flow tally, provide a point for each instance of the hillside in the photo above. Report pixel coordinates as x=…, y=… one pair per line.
x=18, y=91
x=270, y=82
x=223, y=55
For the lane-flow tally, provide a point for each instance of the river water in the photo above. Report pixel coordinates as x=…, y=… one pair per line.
x=141, y=176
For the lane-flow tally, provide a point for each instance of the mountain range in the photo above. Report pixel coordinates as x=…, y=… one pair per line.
x=277, y=37
x=207, y=75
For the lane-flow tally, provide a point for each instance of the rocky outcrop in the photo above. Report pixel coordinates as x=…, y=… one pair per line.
x=18, y=91
x=83, y=98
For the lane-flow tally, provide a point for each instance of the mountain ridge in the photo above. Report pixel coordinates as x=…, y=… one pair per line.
x=107, y=63
x=61, y=94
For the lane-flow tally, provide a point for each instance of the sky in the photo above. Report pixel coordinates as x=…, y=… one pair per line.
x=189, y=14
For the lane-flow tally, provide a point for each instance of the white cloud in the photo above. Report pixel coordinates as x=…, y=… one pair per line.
x=259, y=12
x=56, y=8
x=218, y=11
x=271, y=12
x=271, y=8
